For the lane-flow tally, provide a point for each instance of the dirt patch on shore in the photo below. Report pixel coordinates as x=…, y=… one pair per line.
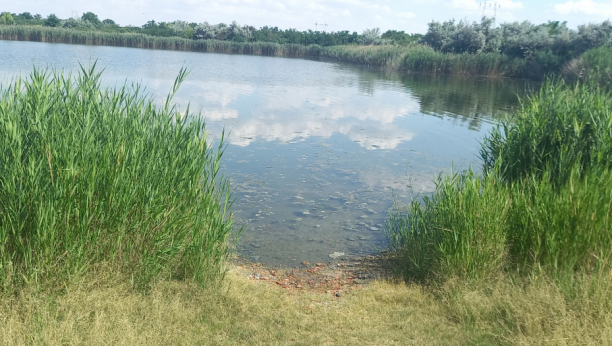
x=335, y=277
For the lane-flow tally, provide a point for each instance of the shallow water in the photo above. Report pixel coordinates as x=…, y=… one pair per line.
x=317, y=151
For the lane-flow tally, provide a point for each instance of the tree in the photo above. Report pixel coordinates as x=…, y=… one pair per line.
x=400, y=37
x=594, y=35
x=71, y=23
x=91, y=17
x=206, y=31
x=26, y=15
x=182, y=28
x=109, y=22
x=438, y=34
x=6, y=18
x=52, y=21
x=371, y=36
x=239, y=33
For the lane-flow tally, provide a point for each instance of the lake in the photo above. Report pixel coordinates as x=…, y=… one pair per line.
x=317, y=151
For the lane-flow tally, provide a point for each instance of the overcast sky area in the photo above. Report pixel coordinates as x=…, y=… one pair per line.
x=411, y=16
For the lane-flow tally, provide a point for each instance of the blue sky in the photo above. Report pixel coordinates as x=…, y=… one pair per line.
x=411, y=16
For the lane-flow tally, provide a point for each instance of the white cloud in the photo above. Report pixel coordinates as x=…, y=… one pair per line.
x=406, y=15
x=585, y=6
x=472, y=5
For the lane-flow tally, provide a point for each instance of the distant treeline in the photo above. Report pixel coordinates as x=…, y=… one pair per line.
x=522, y=50
x=223, y=32
x=545, y=48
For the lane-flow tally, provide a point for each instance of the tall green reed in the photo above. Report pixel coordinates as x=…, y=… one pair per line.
x=543, y=203
x=92, y=176
x=459, y=229
x=477, y=226
x=556, y=128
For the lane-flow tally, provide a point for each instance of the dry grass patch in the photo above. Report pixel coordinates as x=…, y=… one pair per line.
x=108, y=312
x=532, y=313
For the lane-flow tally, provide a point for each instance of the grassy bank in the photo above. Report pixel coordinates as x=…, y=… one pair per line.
x=419, y=58
x=414, y=57
x=540, y=211
x=104, y=309
x=92, y=176
x=593, y=64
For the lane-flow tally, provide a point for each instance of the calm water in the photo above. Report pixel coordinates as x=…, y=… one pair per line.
x=316, y=150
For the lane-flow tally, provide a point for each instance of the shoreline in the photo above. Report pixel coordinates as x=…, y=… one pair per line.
x=333, y=277
x=410, y=59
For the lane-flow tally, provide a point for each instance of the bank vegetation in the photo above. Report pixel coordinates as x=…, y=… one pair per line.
x=521, y=50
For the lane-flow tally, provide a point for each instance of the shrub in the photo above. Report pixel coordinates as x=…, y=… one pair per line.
x=52, y=21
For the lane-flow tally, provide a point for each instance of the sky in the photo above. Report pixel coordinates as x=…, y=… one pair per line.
x=410, y=16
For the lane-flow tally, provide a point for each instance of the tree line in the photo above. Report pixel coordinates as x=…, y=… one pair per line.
x=545, y=47
x=224, y=32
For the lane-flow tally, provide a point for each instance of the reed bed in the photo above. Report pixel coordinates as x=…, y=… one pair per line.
x=417, y=58
x=92, y=176
x=558, y=127
x=542, y=206
x=134, y=40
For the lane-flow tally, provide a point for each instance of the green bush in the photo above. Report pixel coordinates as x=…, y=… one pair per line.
x=557, y=128
x=599, y=65
x=94, y=176
x=52, y=21
x=6, y=18
x=475, y=227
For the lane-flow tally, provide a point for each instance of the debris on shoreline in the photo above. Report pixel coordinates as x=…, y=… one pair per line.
x=335, y=277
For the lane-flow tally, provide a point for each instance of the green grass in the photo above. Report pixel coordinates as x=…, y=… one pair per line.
x=92, y=176
x=459, y=230
x=474, y=227
x=599, y=65
x=543, y=205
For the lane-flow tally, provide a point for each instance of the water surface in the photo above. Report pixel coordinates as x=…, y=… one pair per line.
x=316, y=150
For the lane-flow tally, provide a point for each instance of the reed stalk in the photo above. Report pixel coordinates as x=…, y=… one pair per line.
x=542, y=206
x=92, y=176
